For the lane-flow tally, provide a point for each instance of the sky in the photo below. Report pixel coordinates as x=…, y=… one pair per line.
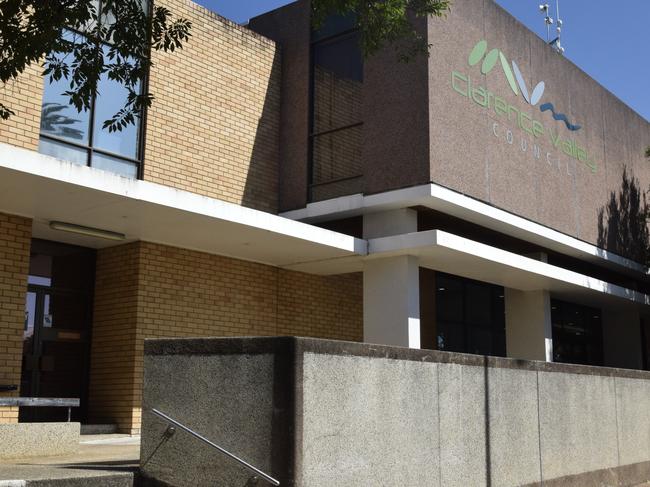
x=611, y=44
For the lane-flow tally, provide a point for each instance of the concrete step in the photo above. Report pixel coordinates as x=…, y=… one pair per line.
x=98, y=429
x=95, y=479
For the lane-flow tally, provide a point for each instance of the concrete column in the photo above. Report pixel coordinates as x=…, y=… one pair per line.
x=391, y=302
x=529, y=330
x=622, y=338
x=391, y=287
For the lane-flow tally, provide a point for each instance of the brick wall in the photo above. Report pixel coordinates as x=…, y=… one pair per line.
x=214, y=125
x=15, y=238
x=24, y=97
x=147, y=290
x=111, y=391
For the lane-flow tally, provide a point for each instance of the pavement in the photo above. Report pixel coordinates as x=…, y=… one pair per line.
x=111, y=456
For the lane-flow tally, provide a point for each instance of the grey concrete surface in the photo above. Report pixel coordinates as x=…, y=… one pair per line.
x=577, y=424
x=513, y=427
x=97, y=460
x=633, y=418
x=228, y=399
x=21, y=440
x=359, y=414
x=462, y=425
x=368, y=422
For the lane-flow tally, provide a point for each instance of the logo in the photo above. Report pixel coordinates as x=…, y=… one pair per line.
x=533, y=128
x=515, y=79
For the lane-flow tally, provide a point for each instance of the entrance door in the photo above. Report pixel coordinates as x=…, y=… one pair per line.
x=57, y=328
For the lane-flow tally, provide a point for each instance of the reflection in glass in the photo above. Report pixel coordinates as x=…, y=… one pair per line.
x=337, y=155
x=63, y=151
x=114, y=164
x=111, y=97
x=337, y=80
x=58, y=117
x=30, y=313
x=60, y=120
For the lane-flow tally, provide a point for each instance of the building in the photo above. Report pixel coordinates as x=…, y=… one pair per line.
x=281, y=185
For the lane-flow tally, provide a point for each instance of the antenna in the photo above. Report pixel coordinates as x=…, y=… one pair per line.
x=556, y=43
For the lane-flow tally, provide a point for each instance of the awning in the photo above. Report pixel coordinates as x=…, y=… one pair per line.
x=47, y=189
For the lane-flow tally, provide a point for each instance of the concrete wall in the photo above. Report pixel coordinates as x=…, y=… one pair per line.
x=25, y=440
x=294, y=42
x=418, y=129
x=362, y=414
x=497, y=163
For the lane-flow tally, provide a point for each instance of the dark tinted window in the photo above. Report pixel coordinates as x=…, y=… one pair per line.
x=337, y=80
x=470, y=316
x=577, y=334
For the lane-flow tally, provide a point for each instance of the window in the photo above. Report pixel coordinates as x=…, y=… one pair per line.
x=79, y=137
x=577, y=334
x=337, y=78
x=470, y=316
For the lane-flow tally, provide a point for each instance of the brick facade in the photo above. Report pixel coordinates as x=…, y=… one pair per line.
x=15, y=237
x=213, y=128
x=24, y=97
x=147, y=290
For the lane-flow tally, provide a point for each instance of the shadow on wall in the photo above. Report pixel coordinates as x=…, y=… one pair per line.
x=261, y=189
x=622, y=222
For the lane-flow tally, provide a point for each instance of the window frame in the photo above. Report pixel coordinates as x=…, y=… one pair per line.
x=90, y=148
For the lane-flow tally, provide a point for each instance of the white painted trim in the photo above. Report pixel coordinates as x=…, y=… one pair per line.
x=451, y=202
x=33, y=163
x=416, y=243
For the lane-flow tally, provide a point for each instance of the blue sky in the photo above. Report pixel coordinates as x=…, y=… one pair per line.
x=611, y=44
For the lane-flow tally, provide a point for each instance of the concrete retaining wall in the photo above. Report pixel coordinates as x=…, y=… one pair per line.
x=24, y=440
x=321, y=413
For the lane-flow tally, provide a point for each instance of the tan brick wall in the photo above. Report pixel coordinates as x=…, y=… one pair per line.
x=183, y=293
x=15, y=240
x=24, y=97
x=214, y=125
x=112, y=358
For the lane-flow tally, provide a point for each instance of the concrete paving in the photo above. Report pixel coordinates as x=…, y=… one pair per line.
x=106, y=459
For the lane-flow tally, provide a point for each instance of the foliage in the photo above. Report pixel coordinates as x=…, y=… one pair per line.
x=647, y=152
x=384, y=22
x=622, y=222
x=36, y=31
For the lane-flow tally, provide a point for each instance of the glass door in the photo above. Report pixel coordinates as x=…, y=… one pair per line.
x=56, y=336
x=55, y=347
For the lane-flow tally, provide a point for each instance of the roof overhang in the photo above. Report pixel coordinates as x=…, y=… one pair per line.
x=469, y=209
x=47, y=189
x=445, y=252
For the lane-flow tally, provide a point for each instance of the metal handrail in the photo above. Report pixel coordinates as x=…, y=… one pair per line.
x=253, y=469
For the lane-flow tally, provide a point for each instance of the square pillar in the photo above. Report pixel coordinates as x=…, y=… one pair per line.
x=391, y=302
x=529, y=329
